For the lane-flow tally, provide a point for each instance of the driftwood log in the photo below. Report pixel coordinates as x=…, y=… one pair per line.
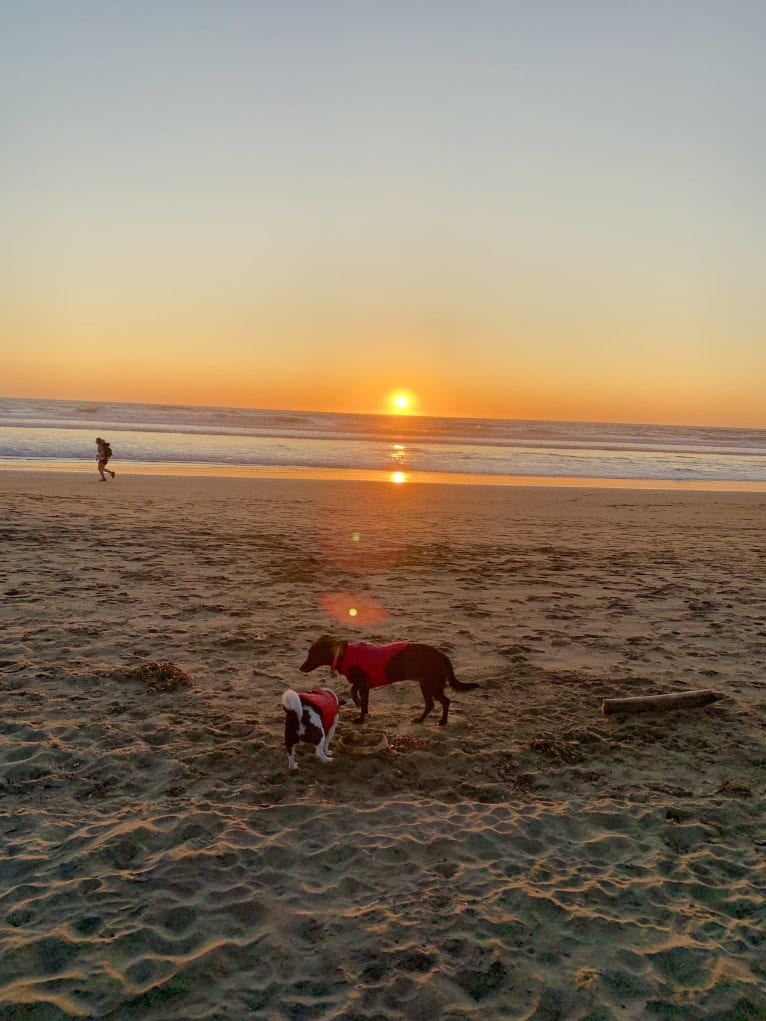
x=647, y=703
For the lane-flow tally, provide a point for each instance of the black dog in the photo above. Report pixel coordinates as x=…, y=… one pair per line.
x=368, y=666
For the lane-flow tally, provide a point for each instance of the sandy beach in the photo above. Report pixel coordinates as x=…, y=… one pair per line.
x=535, y=859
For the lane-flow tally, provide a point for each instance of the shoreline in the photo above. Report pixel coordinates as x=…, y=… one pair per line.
x=393, y=477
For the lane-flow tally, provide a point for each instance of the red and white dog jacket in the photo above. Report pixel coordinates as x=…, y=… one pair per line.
x=373, y=659
x=325, y=702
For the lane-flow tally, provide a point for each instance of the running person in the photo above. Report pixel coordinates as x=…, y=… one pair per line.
x=104, y=453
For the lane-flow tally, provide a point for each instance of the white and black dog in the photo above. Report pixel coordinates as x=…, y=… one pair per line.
x=310, y=717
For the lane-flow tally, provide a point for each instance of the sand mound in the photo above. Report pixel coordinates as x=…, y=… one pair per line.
x=160, y=676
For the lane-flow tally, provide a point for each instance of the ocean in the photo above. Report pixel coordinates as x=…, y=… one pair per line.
x=60, y=435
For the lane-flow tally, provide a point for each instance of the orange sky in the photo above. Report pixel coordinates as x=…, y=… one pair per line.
x=501, y=214
x=554, y=369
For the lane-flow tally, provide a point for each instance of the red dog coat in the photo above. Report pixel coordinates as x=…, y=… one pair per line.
x=373, y=659
x=325, y=703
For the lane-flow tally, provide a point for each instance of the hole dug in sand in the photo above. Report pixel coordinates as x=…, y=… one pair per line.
x=363, y=742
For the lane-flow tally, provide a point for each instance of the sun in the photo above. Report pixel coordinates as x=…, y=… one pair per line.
x=401, y=401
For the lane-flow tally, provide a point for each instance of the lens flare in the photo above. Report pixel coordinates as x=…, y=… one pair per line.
x=353, y=608
x=358, y=546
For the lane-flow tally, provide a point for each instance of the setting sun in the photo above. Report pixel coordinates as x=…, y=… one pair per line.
x=401, y=401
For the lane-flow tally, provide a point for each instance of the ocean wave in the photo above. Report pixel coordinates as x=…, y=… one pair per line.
x=155, y=434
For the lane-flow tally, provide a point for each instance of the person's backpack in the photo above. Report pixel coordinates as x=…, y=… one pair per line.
x=107, y=450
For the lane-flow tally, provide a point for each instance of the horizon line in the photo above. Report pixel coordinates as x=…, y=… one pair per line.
x=395, y=415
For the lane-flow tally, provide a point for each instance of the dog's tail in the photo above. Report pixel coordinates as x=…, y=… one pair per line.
x=291, y=702
x=455, y=683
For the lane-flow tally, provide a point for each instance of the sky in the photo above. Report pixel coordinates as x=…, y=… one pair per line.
x=507, y=209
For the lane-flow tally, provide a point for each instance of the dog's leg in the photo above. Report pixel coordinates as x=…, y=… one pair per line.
x=360, y=688
x=292, y=735
x=445, y=708
x=329, y=737
x=321, y=754
x=323, y=747
x=429, y=703
x=364, y=703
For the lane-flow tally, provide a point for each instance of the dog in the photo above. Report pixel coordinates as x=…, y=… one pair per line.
x=368, y=666
x=310, y=717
